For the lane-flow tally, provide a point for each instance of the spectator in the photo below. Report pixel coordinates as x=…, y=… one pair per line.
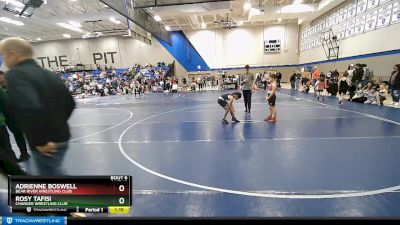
x=362, y=94
x=5, y=145
x=320, y=87
x=200, y=82
x=305, y=82
x=11, y=124
x=265, y=80
x=297, y=80
x=292, y=81
x=8, y=166
x=174, y=88
x=358, y=74
x=315, y=75
x=334, y=74
x=367, y=73
x=41, y=103
x=184, y=81
x=394, y=83
x=193, y=86
x=350, y=70
x=343, y=86
x=372, y=97
x=278, y=79
x=383, y=92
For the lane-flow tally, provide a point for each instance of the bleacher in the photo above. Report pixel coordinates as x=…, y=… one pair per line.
x=121, y=74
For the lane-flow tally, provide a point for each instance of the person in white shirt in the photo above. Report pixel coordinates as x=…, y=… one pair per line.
x=265, y=79
x=174, y=87
x=351, y=71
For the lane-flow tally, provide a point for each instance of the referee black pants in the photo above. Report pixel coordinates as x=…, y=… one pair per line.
x=247, y=99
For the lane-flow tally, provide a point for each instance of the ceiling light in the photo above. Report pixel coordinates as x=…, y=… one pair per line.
x=296, y=2
x=67, y=35
x=92, y=35
x=39, y=39
x=167, y=28
x=157, y=18
x=75, y=24
x=22, y=7
x=11, y=21
x=279, y=20
x=70, y=27
x=112, y=19
x=20, y=16
x=247, y=6
x=299, y=8
x=203, y=25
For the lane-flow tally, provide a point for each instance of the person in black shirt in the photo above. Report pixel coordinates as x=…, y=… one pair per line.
x=394, y=83
x=10, y=122
x=292, y=81
x=278, y=79
x=335, y=74
x=41, y=105
x=226, y=102
x=9, y=166
x=305, y=82
x=5, y=145
x=297, y=80
x=358, y=74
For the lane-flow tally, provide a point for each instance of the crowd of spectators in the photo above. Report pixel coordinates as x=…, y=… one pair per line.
x=109, y=81
x=360, y=84
x=363, y=86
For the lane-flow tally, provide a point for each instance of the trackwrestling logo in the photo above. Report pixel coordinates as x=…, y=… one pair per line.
x=34, y=220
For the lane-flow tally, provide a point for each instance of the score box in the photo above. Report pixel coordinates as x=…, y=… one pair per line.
x=69, y=194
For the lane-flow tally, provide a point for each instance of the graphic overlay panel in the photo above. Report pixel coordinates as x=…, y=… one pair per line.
x=89, y=194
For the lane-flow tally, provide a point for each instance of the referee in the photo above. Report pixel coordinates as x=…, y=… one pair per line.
x=248, y=86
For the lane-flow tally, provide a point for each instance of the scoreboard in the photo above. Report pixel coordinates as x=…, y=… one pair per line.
x=83, y=194
x=272, y=46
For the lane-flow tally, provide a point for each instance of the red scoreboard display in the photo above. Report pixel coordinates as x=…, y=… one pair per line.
x=83, y=194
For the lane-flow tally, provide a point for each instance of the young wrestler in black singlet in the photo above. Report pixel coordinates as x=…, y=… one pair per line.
x=226, y=102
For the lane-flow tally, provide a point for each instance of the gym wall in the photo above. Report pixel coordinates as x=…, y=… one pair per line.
x=234, y=48
x=381, y=64
x=116, y=51
x=370, y=48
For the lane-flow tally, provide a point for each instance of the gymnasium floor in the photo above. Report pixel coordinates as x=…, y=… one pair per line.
x=319, y=160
